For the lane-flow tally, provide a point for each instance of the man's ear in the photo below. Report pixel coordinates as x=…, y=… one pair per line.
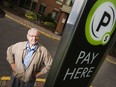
x=27, y=36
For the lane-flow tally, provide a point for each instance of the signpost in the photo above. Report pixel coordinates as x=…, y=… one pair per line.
x=88, y=36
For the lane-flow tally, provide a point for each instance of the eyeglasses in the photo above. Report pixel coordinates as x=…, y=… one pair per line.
x=33, y=36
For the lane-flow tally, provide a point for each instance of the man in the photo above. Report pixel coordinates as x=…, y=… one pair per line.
x=28, y=60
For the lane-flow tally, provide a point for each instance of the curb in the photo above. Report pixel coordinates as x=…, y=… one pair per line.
x=111, y=59
x=7, y=78
x=5, y=82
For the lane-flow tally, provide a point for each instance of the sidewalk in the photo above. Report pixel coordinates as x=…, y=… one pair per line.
x=29, y=24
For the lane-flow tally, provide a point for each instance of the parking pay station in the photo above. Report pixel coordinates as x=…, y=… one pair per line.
x=88, y=36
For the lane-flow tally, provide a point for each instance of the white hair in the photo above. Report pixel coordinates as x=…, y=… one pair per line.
x=33, y=29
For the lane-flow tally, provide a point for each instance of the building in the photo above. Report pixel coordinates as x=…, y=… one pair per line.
x=59, y=9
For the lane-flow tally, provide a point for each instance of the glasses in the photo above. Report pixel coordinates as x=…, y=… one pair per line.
x=33, y=36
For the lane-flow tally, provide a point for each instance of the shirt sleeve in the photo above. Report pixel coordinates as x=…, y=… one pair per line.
x=47, y=60
x=10, y=55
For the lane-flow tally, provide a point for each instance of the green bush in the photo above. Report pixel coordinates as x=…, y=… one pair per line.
x=47, y=18
x=50, y=24
x=39, y=16
x=31, y=15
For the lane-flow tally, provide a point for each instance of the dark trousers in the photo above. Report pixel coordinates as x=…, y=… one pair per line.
x=15, y=82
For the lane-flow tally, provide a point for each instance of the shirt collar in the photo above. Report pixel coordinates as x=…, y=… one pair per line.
x=32, y=48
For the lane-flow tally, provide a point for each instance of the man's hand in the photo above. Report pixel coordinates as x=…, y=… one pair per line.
x=13, y=67
x=38, y=74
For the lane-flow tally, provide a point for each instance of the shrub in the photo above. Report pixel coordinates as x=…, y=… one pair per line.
x=50, y=24
x=31, y=15
x=47, y=18
x=39, y=16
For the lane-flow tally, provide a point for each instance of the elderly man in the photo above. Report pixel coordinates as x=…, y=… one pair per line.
x=28, y=60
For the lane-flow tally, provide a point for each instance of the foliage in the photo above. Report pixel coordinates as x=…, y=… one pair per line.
x=47, y=18
x=31, y=15
x=50, y=24
x=39, y=16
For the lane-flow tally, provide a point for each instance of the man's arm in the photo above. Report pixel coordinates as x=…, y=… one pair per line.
x=47, y=60
x=10, y=57
x=13, y=66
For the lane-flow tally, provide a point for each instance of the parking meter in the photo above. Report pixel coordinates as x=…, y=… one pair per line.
x=89, y=34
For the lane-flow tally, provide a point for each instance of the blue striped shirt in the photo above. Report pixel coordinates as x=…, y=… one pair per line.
x=30, y=52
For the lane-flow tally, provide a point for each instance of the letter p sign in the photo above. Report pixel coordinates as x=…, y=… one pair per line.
x=101, y=22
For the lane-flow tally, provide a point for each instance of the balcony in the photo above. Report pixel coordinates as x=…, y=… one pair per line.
x=66, y=8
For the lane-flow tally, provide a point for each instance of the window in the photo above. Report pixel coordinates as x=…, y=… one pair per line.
x=33, y=5
x=25, y=4
x=55, y=15
x=42, y=8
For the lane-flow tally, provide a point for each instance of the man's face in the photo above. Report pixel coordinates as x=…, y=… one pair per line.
x=33, y=37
